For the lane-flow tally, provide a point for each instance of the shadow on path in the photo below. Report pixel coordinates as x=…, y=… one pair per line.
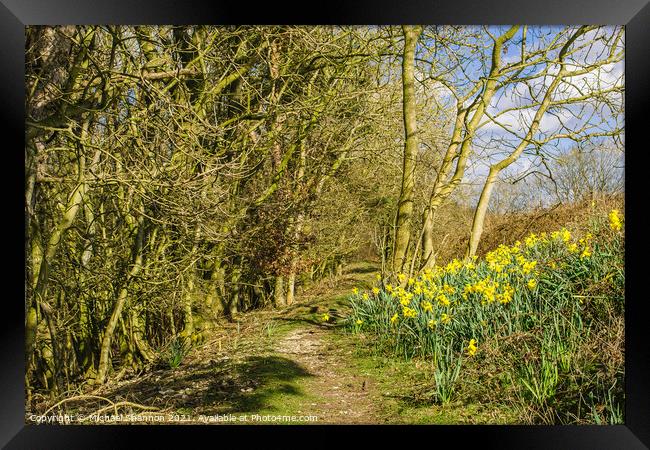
x=219, y=387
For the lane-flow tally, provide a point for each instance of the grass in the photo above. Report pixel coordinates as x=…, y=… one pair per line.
x=404, y=389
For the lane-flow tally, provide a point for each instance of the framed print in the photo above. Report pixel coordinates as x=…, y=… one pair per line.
x=373, y=214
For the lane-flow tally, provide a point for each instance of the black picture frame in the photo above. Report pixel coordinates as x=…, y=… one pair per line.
x=634, y=14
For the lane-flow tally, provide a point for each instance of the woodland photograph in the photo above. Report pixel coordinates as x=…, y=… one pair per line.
x=417, y=224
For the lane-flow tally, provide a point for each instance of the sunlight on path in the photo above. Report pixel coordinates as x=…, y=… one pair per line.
x=339, y=397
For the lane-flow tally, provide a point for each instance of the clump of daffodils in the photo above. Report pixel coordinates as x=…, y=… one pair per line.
x=436, y=312
x=470, y=290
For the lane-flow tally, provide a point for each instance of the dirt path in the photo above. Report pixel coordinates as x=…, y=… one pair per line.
x=270, y=362
x=340, y=397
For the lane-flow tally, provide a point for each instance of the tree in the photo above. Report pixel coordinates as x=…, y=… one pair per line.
x=564, y=68
x=405, y=204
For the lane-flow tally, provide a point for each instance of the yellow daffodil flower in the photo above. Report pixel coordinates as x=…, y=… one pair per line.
x=471, y=348
x=614, y=220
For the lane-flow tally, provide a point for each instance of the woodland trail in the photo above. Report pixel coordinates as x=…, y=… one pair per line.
x=266, y=366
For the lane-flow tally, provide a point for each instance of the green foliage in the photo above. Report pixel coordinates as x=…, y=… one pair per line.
x=540, y=380
x=448, y=367
x=178, y=349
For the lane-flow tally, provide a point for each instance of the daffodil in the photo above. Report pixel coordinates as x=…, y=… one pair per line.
x=531, y=240
x=565, y=234
x=528, y=266
x=444, y=301
x=355, y=291
x=326, y=317
x=506, y=295
x=532, y=283
x=454, y=266
x=375, y=290
x=409, y=312
x=394, y=318
x=614, y=220
x=471, y=348
x=359, y=322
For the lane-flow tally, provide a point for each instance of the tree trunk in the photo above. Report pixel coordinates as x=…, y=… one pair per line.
x=291, y=287
x=280, y=299
x=480, y=212
x=104, y=355
x=291, y=279
x=463, y=134
x=495, y=169
x=428, y=261
x=405, y=204
x=188, y=327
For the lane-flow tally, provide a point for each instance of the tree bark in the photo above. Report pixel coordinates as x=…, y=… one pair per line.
x=480, y=212
x=278, y=294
